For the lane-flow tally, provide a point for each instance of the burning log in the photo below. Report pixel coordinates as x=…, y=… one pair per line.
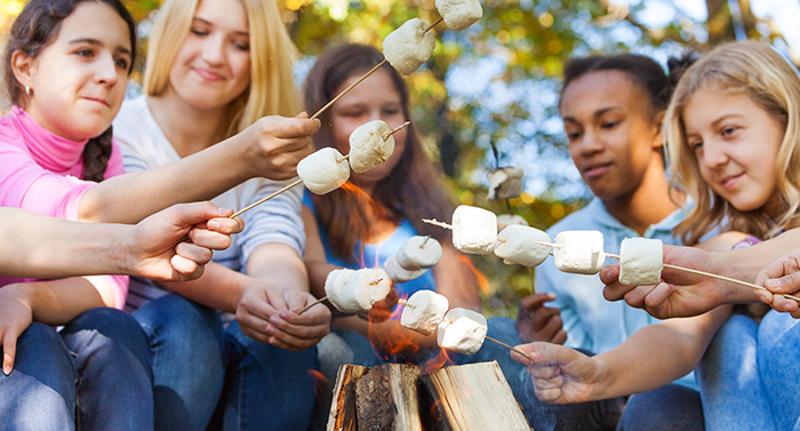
x=343, y=408
x=386, y=398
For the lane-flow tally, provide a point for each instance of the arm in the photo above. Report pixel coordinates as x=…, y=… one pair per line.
x=455, y=280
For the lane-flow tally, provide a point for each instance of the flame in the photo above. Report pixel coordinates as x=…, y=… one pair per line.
x=483, y=282
x=321, y=383
x=437, y=362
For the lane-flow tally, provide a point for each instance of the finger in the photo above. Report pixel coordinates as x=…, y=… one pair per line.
x=615, y=291
x=764, y=296
x=543, y=316
x=636, y=297
x=276, y=300
x=658, y=296
x=253, y=324
x=260, y=309
x=789, y=283
x=783, y=304
x=187, y=215
x=295, y=127
x=778, y=268
x=209, y=239
x=548, y=395
x=288, y=339
x=258, y=336
x=532, y=302
x=551, y=329
x=610, y=274
x=280, y=344
x=226, y=226
x=188, y=269
x=195, y=253
x=545, y=372
x=9, y=351
x=314, y=316
x=310, y=332
x=297, y=300
x=560, y=338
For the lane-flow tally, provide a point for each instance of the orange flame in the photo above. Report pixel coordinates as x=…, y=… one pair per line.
x=438, y=361
x=483, y=282
x=321, y=383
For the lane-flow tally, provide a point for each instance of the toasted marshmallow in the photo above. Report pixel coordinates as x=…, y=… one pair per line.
x=324, y=170
x=423, y=311
x=357, y=291
x=368, y=148
x=505, y=183
x=459, y=14
x=408, y=47
x=462, y=331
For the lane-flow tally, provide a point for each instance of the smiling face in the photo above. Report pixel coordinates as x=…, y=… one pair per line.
x=613, y=137
x=736, y=144
x=78, y=81
x=212, y=67
x=374, y=99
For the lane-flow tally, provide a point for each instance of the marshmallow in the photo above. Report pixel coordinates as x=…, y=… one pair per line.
x=423, y=312
x=522, y=245
x=409, y=46
x=641, y=261
x=461, y=331
x=419, y=252
x=368, y=148
x=505, y=183
x=356, y=291
x=324, y=170
x=506, y=220
x=399, y=274
x=459, y=14
x=474, y=230
x=579, y=251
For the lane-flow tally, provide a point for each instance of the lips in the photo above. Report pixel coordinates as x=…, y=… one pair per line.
x=596, y=170
x=208, y=75
x=99, y=100
x=730, y=181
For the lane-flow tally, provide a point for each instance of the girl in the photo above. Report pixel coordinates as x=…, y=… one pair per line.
x=214, y=67
x=366, y=222
x=733, y=123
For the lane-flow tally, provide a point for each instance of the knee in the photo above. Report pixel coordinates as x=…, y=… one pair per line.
x=667, y=408
x=41, y=353
x=175, y=316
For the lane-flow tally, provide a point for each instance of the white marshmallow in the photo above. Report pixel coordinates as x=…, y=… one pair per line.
x=324, y=171
x=423, y=311
x=641, y=261
x=462, y=331
x=419, y=252
x=409, y=46
x=505, y=183
x=474, y=230
x=357, y=291
x=367, y=146
x=459, y=14
x=399, y=274
x=506, y=220
x=579, y=251
x=522, y=245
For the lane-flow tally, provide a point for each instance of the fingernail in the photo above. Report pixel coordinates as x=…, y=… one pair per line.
x=269, y=329
x=771, y=284
x=275, y=319
x=284, y=315
x=552, y=296
x=213, y=224
x=7, y=370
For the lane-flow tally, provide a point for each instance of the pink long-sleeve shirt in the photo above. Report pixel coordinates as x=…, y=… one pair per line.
x=40, y=171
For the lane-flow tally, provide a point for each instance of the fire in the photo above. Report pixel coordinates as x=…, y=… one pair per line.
x=483, y=282
x=438, y=361
x=321, y=383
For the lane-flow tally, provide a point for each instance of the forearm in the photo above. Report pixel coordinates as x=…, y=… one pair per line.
x=57, y=302
x=746, y=263
x=280, y=265
x=201, y=176
x=219, y=288
x=456, y=281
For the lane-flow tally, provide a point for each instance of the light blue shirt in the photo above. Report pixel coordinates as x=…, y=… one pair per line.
x=592, y=322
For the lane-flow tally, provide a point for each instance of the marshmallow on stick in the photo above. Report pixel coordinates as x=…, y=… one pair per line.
x=408, y=47
x=474, y=230
x=462, y=331
x=419, y=252
x=324, y=170
x=423, y=311
x=399, y=274
x=459, y=14
x=523, y=245
x=370, y=145
x=506, y=220
x=505, y=183
x=357, y=291
x=579, y=251
x=641, y=261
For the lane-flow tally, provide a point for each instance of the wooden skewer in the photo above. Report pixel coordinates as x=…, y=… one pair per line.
x=433, y=24
x=435, y=222
x=262, y=200
x=509, y=347
x=349, y=87
x=427, y=238
x=396, y=129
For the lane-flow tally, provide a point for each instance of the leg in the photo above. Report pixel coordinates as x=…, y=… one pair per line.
x=670, y=407
x=596, y=415
x=40, y=393
x=114, y=375
x=778, y=356
x=732, y=392
x=186, y=347
x=266, y=388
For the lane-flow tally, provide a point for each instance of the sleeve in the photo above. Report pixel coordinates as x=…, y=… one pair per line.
x=132, y=158
x=24, y=184
x=114, y=285
x=276, y=221
x=547, y=281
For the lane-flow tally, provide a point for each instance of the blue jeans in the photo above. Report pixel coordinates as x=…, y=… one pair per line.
x=670, y=407
x=201, y=367
x=96, y=375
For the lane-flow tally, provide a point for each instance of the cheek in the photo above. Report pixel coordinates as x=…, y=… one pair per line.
x=240, y=67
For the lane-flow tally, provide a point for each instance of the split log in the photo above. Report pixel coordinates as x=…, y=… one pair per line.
x=473, y=397
x=342, y=416
x=386, y=399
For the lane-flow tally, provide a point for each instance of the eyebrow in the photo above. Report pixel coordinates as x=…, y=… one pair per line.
x=206, y=22
x=724, y=117
x=95, y=42
x=597, y=114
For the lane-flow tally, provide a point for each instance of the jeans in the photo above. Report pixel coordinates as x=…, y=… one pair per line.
x=210, y=375
x=95, y=375
x=670, y=407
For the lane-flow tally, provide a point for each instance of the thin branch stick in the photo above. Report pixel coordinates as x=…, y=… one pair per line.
x=397, y=129
x=350, y=87
x=435, y=222
x=262, y=200
x=433, y=24
x=317, y=302
x=509, y=347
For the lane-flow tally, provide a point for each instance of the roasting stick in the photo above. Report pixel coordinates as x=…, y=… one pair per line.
x=298, y=182
x=364, y=77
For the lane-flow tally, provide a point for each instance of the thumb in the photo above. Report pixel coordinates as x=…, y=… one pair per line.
x=610, y=274
x=302, y=115
x=187, y=215
x=789, y=283
x=9, y=351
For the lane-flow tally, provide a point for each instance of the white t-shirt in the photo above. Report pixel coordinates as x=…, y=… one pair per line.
x=144, y=146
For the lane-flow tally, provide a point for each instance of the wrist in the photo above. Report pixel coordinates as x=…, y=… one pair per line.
x=21, y=292
x=603, y=381
x=731, y=293
x=243, y=154
x=125, y=253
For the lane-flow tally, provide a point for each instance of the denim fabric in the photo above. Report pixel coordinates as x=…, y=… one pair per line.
x=670, y=407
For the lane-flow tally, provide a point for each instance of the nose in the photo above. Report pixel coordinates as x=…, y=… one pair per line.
x=713, y=154
x=107, y=72
x=589, y=144
x=213, y=50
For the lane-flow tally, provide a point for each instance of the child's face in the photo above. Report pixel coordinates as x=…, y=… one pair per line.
x=79, y=80
x=736, y=144
x=373, y=99
x=212, y=67
x=613, y=138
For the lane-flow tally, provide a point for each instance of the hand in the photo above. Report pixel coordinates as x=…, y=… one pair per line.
x=269, y=315
x=158, y=247
x=276, y=144
x=680, y=294
x=561, y=375
x=782, y=276
x=535, y=322
x=16, y=315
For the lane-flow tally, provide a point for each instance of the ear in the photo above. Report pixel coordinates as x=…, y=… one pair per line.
x=24, y=68
x=658, y=143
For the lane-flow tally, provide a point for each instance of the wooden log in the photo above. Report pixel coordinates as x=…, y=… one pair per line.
x=473, y=397
x=386, y=399
x=342, y=416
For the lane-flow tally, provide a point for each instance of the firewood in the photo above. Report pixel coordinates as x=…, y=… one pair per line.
x=342, y=416
x=386, y=399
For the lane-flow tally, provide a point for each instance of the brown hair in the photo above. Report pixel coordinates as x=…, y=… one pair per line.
x=33, y=30
x=413, y=190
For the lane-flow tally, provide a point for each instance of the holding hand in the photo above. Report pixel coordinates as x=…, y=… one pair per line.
x=536, y=322
x=276, y=144
x=16, y=315
x=782, y=276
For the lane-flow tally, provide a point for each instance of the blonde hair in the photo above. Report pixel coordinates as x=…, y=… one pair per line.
x=271, y=91
x=759, y=72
